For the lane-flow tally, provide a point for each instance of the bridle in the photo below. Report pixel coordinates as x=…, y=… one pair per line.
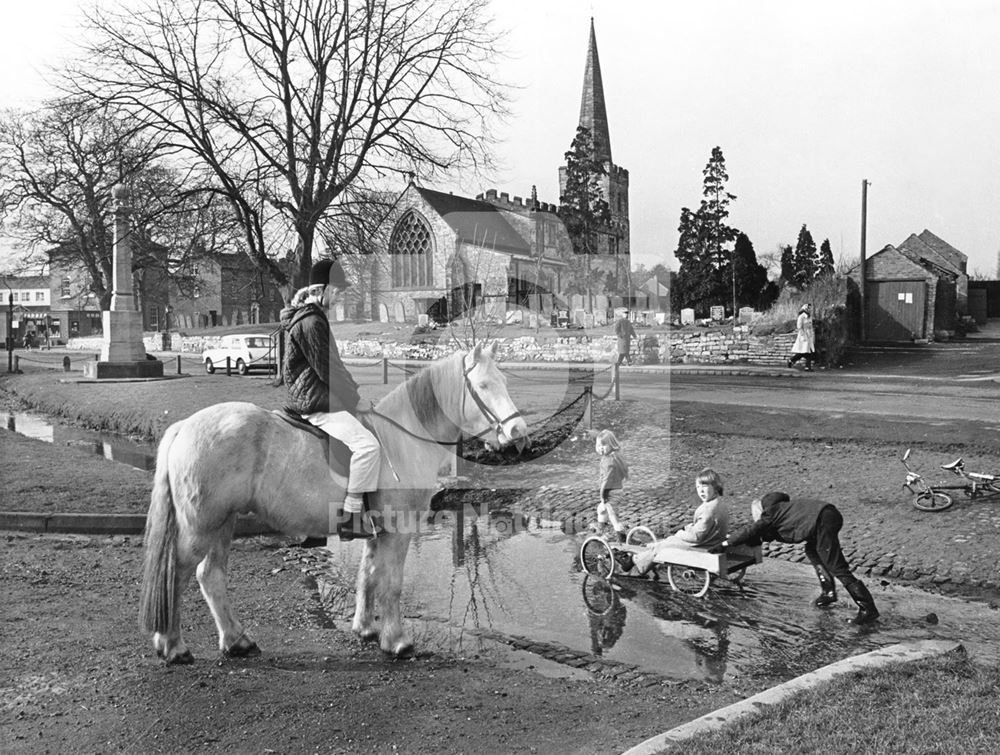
x=496, y=424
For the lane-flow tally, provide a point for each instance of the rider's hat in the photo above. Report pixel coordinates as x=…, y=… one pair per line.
x=328, y=272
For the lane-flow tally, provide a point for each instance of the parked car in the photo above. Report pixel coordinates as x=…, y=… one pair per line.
x=246, y=351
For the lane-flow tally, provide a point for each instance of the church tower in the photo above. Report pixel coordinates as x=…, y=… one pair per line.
x=614, y=184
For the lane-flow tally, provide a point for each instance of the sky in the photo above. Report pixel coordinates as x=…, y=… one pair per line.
x=805, y=99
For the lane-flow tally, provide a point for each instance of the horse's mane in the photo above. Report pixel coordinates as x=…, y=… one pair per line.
x=418, y=391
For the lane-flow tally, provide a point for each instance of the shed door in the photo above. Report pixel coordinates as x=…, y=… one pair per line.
x=896, y=310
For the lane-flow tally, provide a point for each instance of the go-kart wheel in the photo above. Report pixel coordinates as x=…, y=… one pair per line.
x=640, y=535
x=689, y=580
x=930, y=501
x=209, y=367
x=596, y=557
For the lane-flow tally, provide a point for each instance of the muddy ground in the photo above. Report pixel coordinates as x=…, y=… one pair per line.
x=76, y=676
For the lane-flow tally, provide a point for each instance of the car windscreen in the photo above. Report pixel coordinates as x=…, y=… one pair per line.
x=258, y=343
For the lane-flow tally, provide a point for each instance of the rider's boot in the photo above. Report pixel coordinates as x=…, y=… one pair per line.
x=828, y=596
x=354, y=525
x=867, y=612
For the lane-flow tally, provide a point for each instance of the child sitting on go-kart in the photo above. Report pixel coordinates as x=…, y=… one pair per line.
x=708, y=528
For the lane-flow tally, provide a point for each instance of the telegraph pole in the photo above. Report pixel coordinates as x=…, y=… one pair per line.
x=865, y=183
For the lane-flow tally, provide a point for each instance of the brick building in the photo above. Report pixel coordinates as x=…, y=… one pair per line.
x=916, y=290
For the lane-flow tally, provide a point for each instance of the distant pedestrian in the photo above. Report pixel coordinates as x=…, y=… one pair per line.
x=613, y=473
x=29, y=340
x=805, y=339
x=625, y=333
x=817, y=524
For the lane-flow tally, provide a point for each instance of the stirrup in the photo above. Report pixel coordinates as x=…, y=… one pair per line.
x=356, y=526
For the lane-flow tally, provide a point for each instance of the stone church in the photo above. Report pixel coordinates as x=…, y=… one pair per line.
x=447, y=253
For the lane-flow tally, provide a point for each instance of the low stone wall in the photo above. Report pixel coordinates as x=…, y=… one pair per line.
x=728, y=346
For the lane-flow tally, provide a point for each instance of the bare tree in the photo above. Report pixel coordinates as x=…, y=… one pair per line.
x=289, y=102
x=356, y=234
x=61, y=163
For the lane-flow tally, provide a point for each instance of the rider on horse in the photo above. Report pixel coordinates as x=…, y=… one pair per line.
x=323, y=392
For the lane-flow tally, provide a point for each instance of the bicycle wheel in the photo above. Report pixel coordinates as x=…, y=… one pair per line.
x=689, y=580
x=596, y=557
x=929, y=500
x=640, y=536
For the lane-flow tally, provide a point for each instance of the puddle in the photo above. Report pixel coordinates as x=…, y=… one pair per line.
x=470, y=578
x=107, y=445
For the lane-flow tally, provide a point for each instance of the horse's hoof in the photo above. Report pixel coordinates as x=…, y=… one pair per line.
x=242, y=649
x=402, y=650
x=181, y=659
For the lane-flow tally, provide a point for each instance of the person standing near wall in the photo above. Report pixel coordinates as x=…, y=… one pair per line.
x=805, y=339
x=625, y=333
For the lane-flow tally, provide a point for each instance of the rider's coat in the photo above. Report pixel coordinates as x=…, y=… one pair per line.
x=313, y=371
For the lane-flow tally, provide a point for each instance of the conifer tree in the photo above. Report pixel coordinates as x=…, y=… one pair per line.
x=751, y=276
x=585, y=212
x=805, y=258
x=704, y=247
x=825, y=258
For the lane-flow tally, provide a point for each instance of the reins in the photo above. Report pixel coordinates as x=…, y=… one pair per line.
x=496, y=424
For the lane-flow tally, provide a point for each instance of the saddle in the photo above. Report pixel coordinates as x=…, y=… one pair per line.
x=337, y=454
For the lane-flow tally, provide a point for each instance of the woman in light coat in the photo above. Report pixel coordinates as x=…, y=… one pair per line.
x=805, y=339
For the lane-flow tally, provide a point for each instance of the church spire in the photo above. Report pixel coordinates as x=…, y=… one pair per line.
x=593, y=114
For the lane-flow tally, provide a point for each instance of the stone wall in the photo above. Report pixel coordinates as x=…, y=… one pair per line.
x=678, y=347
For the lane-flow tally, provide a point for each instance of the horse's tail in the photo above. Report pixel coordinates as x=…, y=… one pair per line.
x=160, y=587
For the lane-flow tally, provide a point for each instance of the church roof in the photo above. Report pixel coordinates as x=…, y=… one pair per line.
x=593, y=113
x=475, y=221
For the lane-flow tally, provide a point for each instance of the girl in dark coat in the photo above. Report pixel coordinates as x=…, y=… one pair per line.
x=817, y=524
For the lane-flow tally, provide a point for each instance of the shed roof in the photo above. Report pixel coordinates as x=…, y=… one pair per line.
x=958, y=260
x=914, y=248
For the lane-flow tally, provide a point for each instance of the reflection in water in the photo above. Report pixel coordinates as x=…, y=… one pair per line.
x=470, y=575
x=111, y=447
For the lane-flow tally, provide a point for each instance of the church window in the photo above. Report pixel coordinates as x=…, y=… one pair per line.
x=410, y=253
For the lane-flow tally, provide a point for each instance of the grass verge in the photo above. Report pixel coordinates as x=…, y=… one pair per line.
x=946, y=705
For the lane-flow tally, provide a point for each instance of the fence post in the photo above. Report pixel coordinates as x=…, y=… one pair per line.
x=229, y=369
x=588, y=407
x=66, y=363
x=617, y=379
x=385, y=370
x=178, y=364
x=17, y=365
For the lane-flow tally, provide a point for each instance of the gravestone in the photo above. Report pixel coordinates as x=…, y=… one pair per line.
x=399, y=312
x=717, y=313
x=687, y=316
x=423, y=320
x=338, y=312
x=746, y=314
x=383, y=313
x=123, y=353
x=601, y=317
x=588, y=320
x=533, y=320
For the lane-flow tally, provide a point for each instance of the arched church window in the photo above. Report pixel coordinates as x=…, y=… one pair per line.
x=411, y=253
